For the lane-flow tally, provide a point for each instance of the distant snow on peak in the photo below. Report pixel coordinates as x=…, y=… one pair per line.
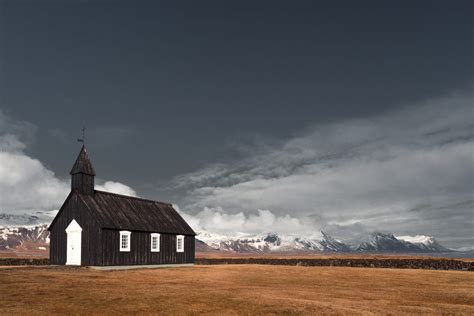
x=385, y=242
x=418, y=239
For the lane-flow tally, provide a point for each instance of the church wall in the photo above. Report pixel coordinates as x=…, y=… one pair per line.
x=140, y=249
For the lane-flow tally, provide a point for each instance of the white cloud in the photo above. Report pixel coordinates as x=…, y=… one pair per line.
x=116, y=187
x=26, y=185
x=217, y=221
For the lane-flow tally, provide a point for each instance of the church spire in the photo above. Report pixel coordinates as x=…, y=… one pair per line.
x=83, y=163
x=82, y=173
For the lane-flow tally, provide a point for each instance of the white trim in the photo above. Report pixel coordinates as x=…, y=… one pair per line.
x=73, y=243
x=157, y=248
x=178, y=239
x=127, y=235
x=73, y=227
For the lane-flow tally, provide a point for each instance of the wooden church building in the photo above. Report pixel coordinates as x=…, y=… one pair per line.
x=96, y=228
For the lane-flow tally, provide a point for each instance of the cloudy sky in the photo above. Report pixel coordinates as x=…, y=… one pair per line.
x=347, y=117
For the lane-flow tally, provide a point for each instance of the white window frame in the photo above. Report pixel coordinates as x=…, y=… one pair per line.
x=157, y=236
x=129, y=239
x=178, y=238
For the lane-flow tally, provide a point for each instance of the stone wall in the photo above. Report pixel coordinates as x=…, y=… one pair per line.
x=397, y=263
x=23, y=261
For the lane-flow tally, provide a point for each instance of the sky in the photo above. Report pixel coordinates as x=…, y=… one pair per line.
x=272, y=116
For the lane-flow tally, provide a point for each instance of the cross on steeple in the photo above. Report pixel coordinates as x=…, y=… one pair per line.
x=83, y=139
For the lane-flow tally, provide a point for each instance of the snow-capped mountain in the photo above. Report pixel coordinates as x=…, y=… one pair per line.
x=273, y=242
x=427, y=243
x=270, y=242
x=24, y=238
x=381, y=242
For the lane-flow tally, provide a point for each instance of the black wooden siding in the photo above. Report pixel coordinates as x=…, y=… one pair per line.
x=91, y=252
x=83, y=183
x=101, y=246
x=140, y=249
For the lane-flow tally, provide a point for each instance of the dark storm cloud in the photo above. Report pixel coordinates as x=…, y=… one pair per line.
x=189, y=76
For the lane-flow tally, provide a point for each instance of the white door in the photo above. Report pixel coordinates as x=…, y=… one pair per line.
x=74, y=236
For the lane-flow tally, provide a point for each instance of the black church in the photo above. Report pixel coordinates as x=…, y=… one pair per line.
x=97, y=228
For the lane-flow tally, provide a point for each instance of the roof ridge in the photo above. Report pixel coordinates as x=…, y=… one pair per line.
x=134, y=197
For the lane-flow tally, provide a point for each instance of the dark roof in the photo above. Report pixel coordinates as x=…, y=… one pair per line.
x=123, y=212
x=83, y=163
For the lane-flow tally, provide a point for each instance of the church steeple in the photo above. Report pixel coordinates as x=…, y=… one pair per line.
x=82, y=174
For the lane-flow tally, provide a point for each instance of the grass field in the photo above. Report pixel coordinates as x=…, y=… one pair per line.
x=234, y=289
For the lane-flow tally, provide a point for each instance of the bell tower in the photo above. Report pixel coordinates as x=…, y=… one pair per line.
x=83, y=174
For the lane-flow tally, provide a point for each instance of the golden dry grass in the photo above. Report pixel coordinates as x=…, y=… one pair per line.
x=235, y=289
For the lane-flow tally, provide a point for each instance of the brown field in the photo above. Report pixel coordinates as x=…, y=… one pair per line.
x=235, y=289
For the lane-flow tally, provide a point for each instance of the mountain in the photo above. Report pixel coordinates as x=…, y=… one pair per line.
x=381, y=242
x=31, y=239
x=273, y=242
x=427, y=243
x=201, y=246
